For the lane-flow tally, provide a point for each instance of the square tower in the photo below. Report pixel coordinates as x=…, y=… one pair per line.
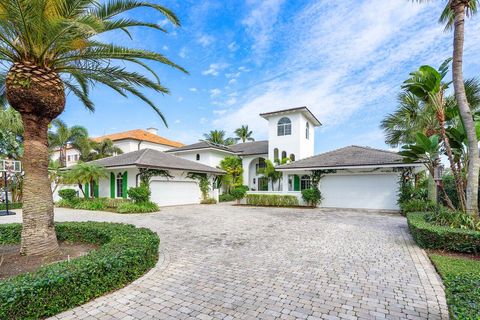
x=291, y=133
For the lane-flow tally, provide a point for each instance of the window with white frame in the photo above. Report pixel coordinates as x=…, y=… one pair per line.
x=284, y=127
x=307, y=131
x=119, y=185
x=305, y=182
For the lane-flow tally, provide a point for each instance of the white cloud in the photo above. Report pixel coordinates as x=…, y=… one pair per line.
x=342, y=59
x=232, y=81
x=220, y=112
x=205, y=40
x=182, y=53
x=203, y=120
x=233, y=46
x=215, y=92
x=165, y=48
x=260, y=24
x=231, y=101
x=180, y=99
x=214, y=69
x=177, y=121
x=163, y=23
x=193, y=89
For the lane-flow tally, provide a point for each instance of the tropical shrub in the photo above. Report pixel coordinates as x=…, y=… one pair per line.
x=139, y=194
x=450, y=188
x=408, y=192
x=453, y=219
x=417, y=205
x=208, y=201
x=98, y=204
x=238, y=193
x=312, y=196
x=226, y=197
x=124, y=254
x=67, y=194
x=461, y=277
x=271, y=200
x=137, y=207
x=432, y=236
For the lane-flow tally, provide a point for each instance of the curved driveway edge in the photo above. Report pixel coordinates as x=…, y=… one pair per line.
x=228, y=262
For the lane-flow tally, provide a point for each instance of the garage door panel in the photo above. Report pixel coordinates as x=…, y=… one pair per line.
x=171, y=192
x=360, y=191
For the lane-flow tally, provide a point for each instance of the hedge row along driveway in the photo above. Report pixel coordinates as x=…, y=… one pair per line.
x=125, y=253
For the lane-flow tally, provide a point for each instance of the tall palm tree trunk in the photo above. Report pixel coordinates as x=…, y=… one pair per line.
x=38, y=94
x=473, y=165
x=453, y=168
x=38, y=232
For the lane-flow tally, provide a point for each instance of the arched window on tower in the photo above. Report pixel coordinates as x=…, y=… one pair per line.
x=275, y=154
x=307, y=131
x=284, y=155
x=284, y=127
x=292, y=157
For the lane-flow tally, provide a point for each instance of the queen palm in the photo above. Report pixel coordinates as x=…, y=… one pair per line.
x=103, y=149
x=53, y=46
x=244, y=134
x=63, y=137
x=454, y=17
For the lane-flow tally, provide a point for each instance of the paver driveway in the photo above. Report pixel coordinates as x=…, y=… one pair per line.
x=227, y=262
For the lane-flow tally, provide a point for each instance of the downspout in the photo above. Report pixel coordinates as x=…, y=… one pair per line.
x=139, y=143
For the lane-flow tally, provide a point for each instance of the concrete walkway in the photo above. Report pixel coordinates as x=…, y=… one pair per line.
x=229, y=262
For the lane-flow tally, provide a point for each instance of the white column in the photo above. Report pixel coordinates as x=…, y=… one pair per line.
x=285, y=181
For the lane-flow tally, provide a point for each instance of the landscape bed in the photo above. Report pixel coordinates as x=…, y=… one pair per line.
x=124, y=254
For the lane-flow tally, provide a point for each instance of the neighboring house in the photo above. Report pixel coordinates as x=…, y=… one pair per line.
x=127, y=141
x=357, y=177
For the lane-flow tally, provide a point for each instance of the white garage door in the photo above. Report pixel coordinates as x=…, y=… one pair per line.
x=171, y=193
x=360, y=191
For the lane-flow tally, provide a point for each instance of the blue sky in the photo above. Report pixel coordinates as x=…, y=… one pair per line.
x=345, y=60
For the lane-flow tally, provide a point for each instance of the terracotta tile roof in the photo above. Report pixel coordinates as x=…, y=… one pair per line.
x=140, y=135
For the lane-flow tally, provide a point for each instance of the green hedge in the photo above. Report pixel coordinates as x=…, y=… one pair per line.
x=11, y=206
x=125, y=253
x=432, y=236
x=271, y=200
x=461, y=278
x=226, y=197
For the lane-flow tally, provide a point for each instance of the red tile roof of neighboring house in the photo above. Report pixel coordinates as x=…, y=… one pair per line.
x=140, y=135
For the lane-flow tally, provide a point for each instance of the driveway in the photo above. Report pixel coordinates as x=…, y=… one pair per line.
x=230, y=262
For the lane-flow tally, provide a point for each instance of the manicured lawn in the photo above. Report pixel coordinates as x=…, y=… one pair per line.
x=461, y=277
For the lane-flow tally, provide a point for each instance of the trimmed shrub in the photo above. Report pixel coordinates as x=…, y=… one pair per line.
x=91, y=204
x=417, y=205
x=139, y=194
x=312, y=196
x=208, y=201
x=112, y=203
x=238, y=193
x=67, y=194
x=271, y=200
x=431, y=236
x=225, y=197
x=140, y=207
x=461, y=277
x=11, y=206
x=125, y=253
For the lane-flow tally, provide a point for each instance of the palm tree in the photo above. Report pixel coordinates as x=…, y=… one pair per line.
x=244, y=134
x=83, y=173
x=426, y=83
x=104, y=148
x=218, y=137
x=11, y=131
x=454, y=17
x=63, y=137
x=48, y=47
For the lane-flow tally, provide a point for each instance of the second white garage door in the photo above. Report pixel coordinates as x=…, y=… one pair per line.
x=375, y=191
x=171, y=193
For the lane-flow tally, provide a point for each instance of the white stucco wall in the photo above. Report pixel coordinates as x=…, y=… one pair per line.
x=208, y=157
x=296, y=143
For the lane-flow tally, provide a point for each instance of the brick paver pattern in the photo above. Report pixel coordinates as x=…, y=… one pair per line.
x=233, y=262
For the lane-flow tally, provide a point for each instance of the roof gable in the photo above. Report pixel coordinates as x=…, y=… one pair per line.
x=151, y=158
x=351, y=156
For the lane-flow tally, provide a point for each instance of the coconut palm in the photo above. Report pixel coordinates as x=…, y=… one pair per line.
x=244, y=134
x=49, y=48
x=104, y=148
x=218, y=137
x=63, y=137
x=453, y=16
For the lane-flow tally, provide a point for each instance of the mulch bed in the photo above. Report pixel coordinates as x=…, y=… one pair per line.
x=12, y=263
